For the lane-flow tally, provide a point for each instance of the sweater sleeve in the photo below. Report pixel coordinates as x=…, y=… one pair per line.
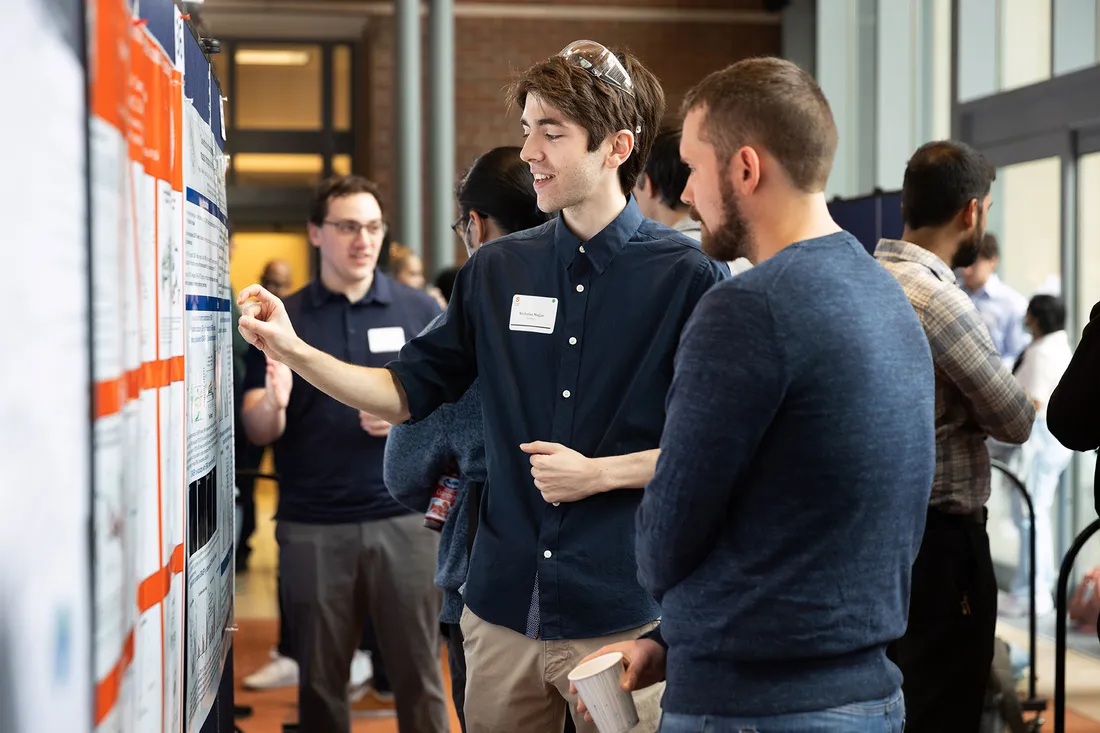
x=417, y=453
x=1073, y=413
x=416, y=456
x=728, y=384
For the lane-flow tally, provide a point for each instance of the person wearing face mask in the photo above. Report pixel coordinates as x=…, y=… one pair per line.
x=1040, y=367
x=947, y=650
x=496, y=197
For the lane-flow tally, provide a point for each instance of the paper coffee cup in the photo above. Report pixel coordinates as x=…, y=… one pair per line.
x=597, y=680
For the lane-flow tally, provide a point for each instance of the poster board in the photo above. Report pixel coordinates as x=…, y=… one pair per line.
x=162, y=428
x=45, y=456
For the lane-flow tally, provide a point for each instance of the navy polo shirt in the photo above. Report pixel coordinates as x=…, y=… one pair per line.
x=594, y=380
x=330, y=469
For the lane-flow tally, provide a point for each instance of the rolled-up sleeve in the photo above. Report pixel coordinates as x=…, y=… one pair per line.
x=440, y=364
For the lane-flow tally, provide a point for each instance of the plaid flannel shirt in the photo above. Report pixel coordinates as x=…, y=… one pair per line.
x=976, y=395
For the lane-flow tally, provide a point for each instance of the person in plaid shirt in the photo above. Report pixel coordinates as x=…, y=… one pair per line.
x=947, y=650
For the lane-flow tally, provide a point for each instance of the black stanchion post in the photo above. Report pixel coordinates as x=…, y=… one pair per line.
x=1032, y=703
x=1061, y=604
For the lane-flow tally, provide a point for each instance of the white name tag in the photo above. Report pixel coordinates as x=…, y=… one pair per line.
x=533, y=313
x=385, y=340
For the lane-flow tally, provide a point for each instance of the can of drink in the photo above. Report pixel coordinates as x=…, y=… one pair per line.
x=446, y=490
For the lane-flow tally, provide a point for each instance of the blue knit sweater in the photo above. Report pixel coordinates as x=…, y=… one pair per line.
x=416, y=455
x=780, y=529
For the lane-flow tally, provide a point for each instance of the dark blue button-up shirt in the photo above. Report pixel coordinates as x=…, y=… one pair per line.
x=330, y=469
x=595, y=383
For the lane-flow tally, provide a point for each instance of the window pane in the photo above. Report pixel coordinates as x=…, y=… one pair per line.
x=341, y=164
x=1031, y=216
x=1027, y=200
x=1088, y=236
x=1074, y=34
x=278, y=87
x=1025, y=43
x=977, y=47
x=341, y=88
x=277, y=169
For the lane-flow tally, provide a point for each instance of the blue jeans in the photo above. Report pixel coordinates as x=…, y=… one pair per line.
x=877, y=716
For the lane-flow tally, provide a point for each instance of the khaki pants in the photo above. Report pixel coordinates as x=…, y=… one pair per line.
x=519, y=685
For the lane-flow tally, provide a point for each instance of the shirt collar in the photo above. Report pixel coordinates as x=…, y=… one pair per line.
x=381, y=292
x=992, y=287
x=896, y=250
x=603, y=247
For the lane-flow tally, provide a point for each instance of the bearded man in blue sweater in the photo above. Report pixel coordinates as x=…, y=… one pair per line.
x=779, y=531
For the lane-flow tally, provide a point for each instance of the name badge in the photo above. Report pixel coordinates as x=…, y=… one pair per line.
x=385, y=340
x=533, y=313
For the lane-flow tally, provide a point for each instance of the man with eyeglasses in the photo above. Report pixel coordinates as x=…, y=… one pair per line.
x=347, y=550
x=571, y=328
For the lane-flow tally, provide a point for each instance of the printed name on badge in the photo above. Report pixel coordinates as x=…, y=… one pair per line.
x=385, y=340
x=533, y=313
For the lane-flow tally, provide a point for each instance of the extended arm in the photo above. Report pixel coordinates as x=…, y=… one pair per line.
x=435, y=367
x=377, y=391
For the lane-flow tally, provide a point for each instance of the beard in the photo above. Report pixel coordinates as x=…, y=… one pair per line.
x=732, y=239
x=967, y=253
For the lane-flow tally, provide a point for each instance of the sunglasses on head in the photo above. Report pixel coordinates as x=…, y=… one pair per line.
x=598, y=61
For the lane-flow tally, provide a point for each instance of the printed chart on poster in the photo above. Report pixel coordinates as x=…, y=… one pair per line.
x=162, y=435
x=45, y=463
x=210, y=477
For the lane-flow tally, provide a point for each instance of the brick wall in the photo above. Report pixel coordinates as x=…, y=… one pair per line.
x=490, y=50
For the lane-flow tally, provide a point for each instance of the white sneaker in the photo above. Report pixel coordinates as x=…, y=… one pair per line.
x=362, y=671
x=279, y=672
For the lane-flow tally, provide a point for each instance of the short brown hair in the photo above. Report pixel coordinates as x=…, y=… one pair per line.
x=337, y=187
x=989, y=249
x=775, y=104
x=597, y=106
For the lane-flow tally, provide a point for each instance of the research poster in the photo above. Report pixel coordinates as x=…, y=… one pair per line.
x=45, y=476
x=113, y=357
x=210, y=475
x=159, y=335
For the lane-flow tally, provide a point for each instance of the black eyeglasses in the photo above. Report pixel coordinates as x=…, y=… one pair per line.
x=351, y=228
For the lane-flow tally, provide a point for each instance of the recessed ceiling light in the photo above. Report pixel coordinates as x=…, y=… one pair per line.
x=271, y=57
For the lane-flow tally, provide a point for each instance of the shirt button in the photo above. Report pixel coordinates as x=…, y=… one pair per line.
x=572, y=340
x=557, y=503
x=582, y=249
x=548, y=554
x=580, y=288
x=566, y=394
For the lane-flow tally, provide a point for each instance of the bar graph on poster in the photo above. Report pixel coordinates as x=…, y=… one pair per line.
x=162, y=438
